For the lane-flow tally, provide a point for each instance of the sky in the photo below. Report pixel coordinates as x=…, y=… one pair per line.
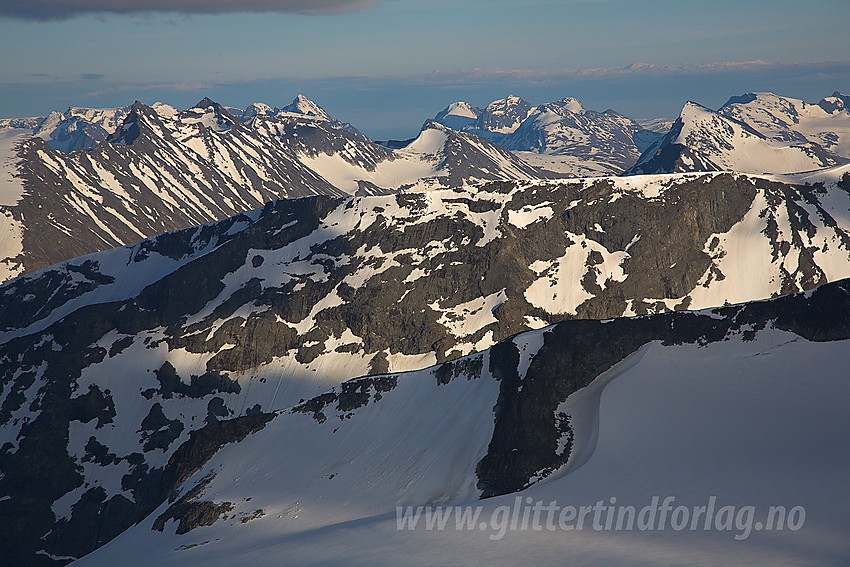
x=388, y=65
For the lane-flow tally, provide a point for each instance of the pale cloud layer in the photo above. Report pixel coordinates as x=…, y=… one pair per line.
x=63, y=9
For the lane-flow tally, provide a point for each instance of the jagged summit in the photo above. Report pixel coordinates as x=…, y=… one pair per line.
x=755, y=132
x=160, y=170
x=206, y=102
x=257, y=109
x=303, y=105
x=504, y=115
x=570, y=104
x=561, y=136
x=131, y=127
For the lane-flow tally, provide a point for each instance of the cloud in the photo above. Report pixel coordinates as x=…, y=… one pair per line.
x=475, y=75
x=92, y=76
x=46, y=10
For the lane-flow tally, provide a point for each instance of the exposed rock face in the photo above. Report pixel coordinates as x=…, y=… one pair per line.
x=527, y=442
x=75, y=129
x=789, y=120
x=121, y=372
x=161, y=170
x=503, y=116
x=754, y=133
x=566, y=128
x=532, y=437
x=362, y=438
x=585, y=142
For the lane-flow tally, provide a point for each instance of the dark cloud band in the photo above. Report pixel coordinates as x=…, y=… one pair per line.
x=63, y=9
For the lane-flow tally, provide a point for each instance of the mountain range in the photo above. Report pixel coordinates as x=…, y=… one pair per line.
x=754, y=133
x=128, y=368
x=758, y=133
x=232, y=335
x=560, y=136
x=91, y=179
x=162, y=170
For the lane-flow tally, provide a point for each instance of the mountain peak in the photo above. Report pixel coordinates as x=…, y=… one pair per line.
x=461, y=109
x=571, y=104
x=211, y=114
x=504, y=115
x=835, y=103
x=206, y=102
x=164, y=110
x=257, y=109
x=691, y=108
x=130, y=128
x=458, y=115
x=432, y=124
x=509, y=102
x=745, y=98
x=303, y=105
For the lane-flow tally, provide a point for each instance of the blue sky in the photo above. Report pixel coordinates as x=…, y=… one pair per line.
x=388, y=65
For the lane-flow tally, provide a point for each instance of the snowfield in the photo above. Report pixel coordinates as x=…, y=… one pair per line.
x=436, y=354
x=747, y=423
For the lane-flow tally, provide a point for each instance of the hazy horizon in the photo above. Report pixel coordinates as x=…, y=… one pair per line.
x=388, y=66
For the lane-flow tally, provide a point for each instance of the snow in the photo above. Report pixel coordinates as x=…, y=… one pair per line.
x=528, y=344
x=375, y=460
x=18, y=419
x=11, y=187
x=466, y=318
x=462, y=109
x=505, y=106
x=733, y=147
x=744, y=254
x=583, y=407
x=430, y=142
x=558, y=289
x=757, y=423
x=306, y=107
x=775, y=116
x=11, y=246
x=165, y=111
x=828, y=175
x=571, y=105
x=391, y=174
x=400, y=362
x=652, y=186
x=257, y=109
x=206, y=118
x=567, y=165
x=529, y=214
x=660, y=125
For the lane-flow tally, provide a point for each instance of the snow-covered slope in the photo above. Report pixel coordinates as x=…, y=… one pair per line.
x=790, y=120
x=698, y=422
x=458, y=115
x=77, y=128
x=597, y=142
x=161, y=170
x=759, y=134
x=502, y=116
x=113, y=361
x=304, y=106
x=560, y=136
